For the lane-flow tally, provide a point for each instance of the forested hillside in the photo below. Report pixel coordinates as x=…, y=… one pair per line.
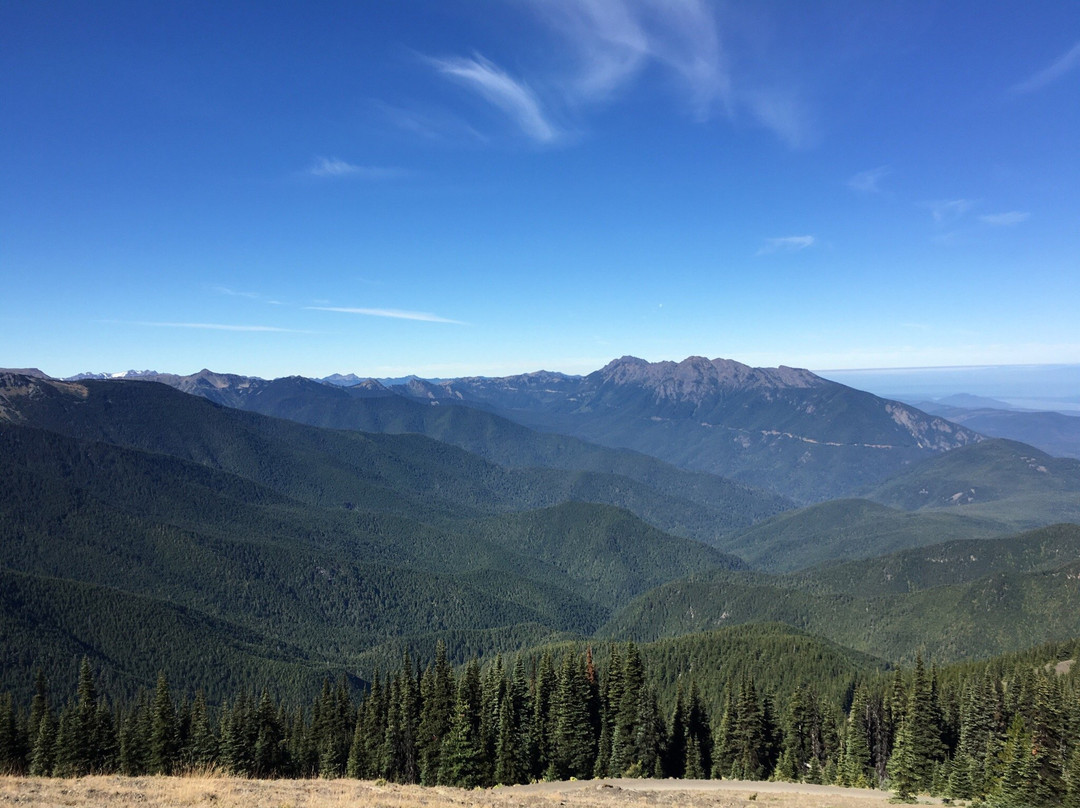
x=312, y=544
x=1005, y=729
x=699, y=506
x=960, y=600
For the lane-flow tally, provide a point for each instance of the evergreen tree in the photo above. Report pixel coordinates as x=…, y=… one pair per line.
x=856, y=770
x=492, y=687
x=269, y=751
x=749, y=737
x=624, y=739
x=237, y=737
x=202, y=748
x=610, y=698
x=41, y=763
x=540, y=738
x=88, y=755
x=1047, y=737
x=803, y=743
x=66, y=753
x=675, y=757
x=512, y=748
x=164, y=743
x=135, y=738
x=573, y=744
x=437, y=695
x=904, y=772
x=724, y=754
x=334, y=730
x=403, y=717
x=1016, y=787
x=376, y=721
x=11, y=751
x=698, y=734
x=462, y=761
x=649, y=736
x=38, y=706
x=356, y=765
x=922, y=723
x=106, y=741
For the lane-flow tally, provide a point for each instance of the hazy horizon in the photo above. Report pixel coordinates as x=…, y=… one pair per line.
x=1038, y=387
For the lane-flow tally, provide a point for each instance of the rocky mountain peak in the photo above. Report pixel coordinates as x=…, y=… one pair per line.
x=697, y=377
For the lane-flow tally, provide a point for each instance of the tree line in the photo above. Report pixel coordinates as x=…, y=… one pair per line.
x=976, y=734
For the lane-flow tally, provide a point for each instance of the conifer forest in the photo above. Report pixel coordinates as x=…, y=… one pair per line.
x=1004, y=731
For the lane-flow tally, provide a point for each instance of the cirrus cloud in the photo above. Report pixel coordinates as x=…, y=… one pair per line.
x=396, y=314
x=1007, y=219
x=787, y=244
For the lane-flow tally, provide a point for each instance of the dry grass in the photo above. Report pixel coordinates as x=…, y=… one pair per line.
x=231, y=792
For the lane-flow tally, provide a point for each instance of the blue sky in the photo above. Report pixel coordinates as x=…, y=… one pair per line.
x=496, y=187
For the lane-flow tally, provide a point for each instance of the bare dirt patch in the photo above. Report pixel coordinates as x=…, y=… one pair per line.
x=230, y=792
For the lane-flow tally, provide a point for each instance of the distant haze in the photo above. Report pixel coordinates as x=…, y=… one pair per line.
x=1040, y=387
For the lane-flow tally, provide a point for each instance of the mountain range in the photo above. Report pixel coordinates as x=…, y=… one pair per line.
x=784, y=430
x=293, y=527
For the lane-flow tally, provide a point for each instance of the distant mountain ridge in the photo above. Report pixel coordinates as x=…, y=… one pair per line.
x=784, y=429
x=1056, y=433
x=686, y=503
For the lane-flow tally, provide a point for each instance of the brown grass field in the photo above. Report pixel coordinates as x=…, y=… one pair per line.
x=231, y=792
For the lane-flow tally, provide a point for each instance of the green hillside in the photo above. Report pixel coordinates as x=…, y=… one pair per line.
x=947, y=564
x=690, y=504
x=996, y=479
x=956, y=601
x=845, y=529
x=400, y=473
x=330, y=580
x=52, y=623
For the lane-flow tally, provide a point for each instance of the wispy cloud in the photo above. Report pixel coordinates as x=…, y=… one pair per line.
x=603, y=47
x=221, y=327
x=949, y=210
x=429, y=124
x=786, y=244
x=331, y=167
x=397, y=314
x=1067, y=62
x=614, y=40
x=1008, y=219
x=225, y=290
x=869, y=181
x=513, y=98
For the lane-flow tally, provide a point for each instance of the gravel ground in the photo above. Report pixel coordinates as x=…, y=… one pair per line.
x=230, y=792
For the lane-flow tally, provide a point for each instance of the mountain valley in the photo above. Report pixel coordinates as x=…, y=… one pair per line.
x=244, y=534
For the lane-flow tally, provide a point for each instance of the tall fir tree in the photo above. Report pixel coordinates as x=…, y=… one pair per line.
x=540, y=738
x=12, y=754
x=269, y=753
x=164, y=743
x=202, y=749
x=43, y=755
x=573, y=743
x=905, y=775
x=66, y=753
x=855, y=769
x=512, y=746
x=1016, y=789
x=88, y=756
x=462, y=762
x=437, y=695
x=610, y=693
x=624, y=738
